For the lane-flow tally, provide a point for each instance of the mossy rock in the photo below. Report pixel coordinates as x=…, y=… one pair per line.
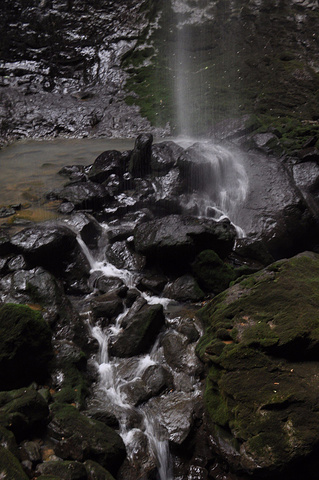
x=25, y=346
x=100, y=442
x=23, y=411
x=211, y=273
x=10, y=467
x=261, y=345
x=72, y=362
x=64, y=470
x=96, y=472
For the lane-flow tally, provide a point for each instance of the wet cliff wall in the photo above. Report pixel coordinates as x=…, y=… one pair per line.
x=71, y=67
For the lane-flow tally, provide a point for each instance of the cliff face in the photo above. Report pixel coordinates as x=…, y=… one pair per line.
x=71, y=68
x=234, y=57
x=60, y=67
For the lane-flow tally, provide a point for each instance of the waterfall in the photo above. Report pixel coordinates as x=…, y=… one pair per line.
x=227, y=183
x=111, y=386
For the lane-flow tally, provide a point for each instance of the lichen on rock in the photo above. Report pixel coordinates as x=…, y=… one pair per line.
x=261, y=348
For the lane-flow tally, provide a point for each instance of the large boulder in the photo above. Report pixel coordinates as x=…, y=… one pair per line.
x=140, y=333
x=45, y=244
x=140, y=159
x=89, y=438
x=107, y=163
x=25, y=346
x=23, y=411
x=261, y=346
x=10, y=466
x=174, y=240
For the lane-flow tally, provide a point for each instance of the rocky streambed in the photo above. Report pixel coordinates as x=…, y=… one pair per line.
x=104, y=370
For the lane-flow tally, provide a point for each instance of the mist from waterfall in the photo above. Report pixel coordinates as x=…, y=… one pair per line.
x=193, y=80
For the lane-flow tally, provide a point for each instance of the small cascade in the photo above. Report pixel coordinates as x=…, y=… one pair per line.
x=219, y=179
x=111, y=386
x=111, y=391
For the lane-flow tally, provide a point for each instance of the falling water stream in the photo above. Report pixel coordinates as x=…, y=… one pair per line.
x=110, y=389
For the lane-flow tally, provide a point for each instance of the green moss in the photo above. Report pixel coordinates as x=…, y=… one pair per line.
x=10, y=466
x=212, y=274
x=260, y=383
x=25, y=346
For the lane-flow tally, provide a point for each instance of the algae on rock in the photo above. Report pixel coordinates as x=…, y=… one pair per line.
x=261, y=346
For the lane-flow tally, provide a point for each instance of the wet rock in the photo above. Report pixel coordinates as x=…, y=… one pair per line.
x=184, y=289
x=5, y=245
x=108, y=163
x=140, y=333
x=30, y=451
x=69, y=378
x=261, y=404
x=140, y=160
x=109, y=305
x=107, y=284
x=99, y=442
x=179, y=354
x=156, y=378
x=16, y=263
x=6, y=212
x=84, y=195
x=122, y=256
x=86, y=226
x=212, y=274
x=8, y=441
x=23, y=411
x=106, y=417
x=10, y=465
x=164, y=156
x=67, y=470
x=94, y=471
x=177, y=413
x=45, y=244
x=152, y=282
x=173, y=239
x=25, y=345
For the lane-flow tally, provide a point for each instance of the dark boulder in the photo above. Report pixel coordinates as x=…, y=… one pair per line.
x=184, y=289
x=98, y=441
x=140, y=160
x=140, y=333
x=109, y=305
x=173, y=241
x=212, y=274
x=108, y=163
x=84, y=195
x=261, y=347
x=10, y=466
x=94, y=471
x=122, y=255
x=25, y=346
x=23, y=411
x=164, y=157
x=67, y=470
x=86, y=226
x=41, y=290
x=45, y=244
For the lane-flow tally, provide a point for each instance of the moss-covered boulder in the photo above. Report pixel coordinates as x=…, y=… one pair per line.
x=212, y=274
x=54, y=469
x=23, y=411
x=25, y=346
x=261, y=346
x=82, y=438
x=10, y=467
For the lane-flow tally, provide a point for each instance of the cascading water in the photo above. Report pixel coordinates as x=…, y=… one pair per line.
x=226, y=182
x=139, y=428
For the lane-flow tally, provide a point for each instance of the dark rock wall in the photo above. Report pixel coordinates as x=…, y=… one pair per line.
x=71, y=67
x=60, y=67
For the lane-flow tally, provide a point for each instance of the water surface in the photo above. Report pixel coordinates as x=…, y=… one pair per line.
x=30, y=168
